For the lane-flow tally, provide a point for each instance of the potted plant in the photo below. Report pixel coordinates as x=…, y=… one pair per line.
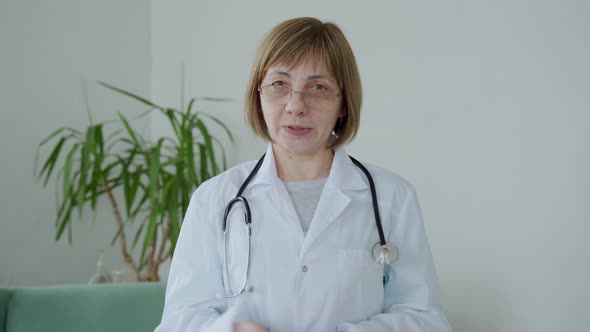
x=156, y=178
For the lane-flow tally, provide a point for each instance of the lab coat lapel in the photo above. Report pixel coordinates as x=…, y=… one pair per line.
x=280, y=200
x=344, y=176
x=276, y=193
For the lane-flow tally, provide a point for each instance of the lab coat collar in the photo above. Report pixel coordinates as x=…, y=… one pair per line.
x=267, y=174
x=343, y=173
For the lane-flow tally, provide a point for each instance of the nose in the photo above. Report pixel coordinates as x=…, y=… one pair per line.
x=296, y=104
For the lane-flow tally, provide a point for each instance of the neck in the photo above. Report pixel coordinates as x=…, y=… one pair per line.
x=297, y=167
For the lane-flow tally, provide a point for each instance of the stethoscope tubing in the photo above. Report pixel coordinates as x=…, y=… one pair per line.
x=373, y=198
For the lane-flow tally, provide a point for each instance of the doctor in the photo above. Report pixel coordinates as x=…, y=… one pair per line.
x=308, y=264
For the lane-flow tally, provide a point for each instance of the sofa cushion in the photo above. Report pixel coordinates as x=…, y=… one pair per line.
x=86, y=308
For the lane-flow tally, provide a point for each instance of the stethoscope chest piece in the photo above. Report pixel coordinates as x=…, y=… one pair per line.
x=385, y=254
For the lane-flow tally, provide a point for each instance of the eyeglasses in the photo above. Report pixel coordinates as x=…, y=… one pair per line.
x=318, y=95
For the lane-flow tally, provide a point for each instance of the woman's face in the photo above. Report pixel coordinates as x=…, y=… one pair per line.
x=303, y=124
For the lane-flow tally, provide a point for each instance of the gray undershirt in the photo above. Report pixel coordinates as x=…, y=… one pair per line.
x=305, y=196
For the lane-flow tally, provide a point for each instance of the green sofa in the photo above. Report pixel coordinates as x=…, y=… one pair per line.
x=129, y=307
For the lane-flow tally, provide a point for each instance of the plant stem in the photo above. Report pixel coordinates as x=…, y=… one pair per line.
x=122, y=237
x=152, y=274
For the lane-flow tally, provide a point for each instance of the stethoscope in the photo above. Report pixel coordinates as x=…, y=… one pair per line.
x=384, y=252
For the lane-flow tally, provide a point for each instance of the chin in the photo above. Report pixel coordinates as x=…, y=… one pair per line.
x=300, y=147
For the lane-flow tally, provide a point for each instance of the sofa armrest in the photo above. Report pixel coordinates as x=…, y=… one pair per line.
x=5, y=296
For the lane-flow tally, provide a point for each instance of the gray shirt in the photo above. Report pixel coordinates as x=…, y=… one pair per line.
x=305, y=196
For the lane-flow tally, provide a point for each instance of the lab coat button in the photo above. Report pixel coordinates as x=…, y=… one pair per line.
x=304, y=268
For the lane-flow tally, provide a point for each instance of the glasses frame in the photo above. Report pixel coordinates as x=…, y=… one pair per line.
x=302, y=92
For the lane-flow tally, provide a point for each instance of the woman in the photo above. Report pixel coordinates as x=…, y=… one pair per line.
x=311, y=265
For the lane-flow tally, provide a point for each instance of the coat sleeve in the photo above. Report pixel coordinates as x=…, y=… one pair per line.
x=195, y=279
x=411, y=295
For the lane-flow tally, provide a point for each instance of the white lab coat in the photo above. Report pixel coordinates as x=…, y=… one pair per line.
x=325, y=281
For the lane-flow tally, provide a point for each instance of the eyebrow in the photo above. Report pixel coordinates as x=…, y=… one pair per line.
x=312, y=77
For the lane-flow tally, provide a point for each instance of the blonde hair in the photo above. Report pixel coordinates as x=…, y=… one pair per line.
x=293, y=41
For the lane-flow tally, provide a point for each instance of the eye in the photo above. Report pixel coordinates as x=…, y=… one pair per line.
x=319, y=87
x=278, y=83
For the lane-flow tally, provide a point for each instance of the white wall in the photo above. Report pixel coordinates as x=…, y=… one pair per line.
x=45, y=47
x=483, y=105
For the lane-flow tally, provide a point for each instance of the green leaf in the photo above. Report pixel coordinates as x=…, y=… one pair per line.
x=99, y=140
x=151, y=230
x=64, y=221
x=85, y=156
x=109, y=168
x=209, y=145
x=60, y=210
x=223, y=154
x=137, y=234
x=215, y=99
x=116, y=140
x=129, y=94
x=140, y=204
x=135, y=180
x=67, y=189
x=190, y=157
x=73, y=131
x=154, y=168
x=47, y=139
x=173, y=213
x=50, y=163
x=117, y=235
x=130, y=131
x=190, y=106
x=222, y=125
x=128, y=179
x=180, y=184
x=126, y=190
x=92, y=186
x=91, y=139
x=173, y=121
x=203, y=159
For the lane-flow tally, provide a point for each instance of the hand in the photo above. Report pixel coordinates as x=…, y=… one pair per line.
x=248, y=326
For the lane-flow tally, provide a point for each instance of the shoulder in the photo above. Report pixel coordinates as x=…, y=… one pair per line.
x=211, y=196
x=226, y=183
x=389, y=179
x=391, y=186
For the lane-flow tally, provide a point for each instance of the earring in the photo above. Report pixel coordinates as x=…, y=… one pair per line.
x=337, y=127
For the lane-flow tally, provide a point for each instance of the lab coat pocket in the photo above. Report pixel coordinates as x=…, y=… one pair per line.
x=361, y=282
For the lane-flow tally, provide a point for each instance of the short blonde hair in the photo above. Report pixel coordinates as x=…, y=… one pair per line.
x=293, y=41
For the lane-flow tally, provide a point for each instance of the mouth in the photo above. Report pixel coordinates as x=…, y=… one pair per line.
x=297, y=127
x=296, y=130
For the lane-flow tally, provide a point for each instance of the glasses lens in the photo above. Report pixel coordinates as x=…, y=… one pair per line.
x=280, y=94
x=276, y=94
x=317, y=98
